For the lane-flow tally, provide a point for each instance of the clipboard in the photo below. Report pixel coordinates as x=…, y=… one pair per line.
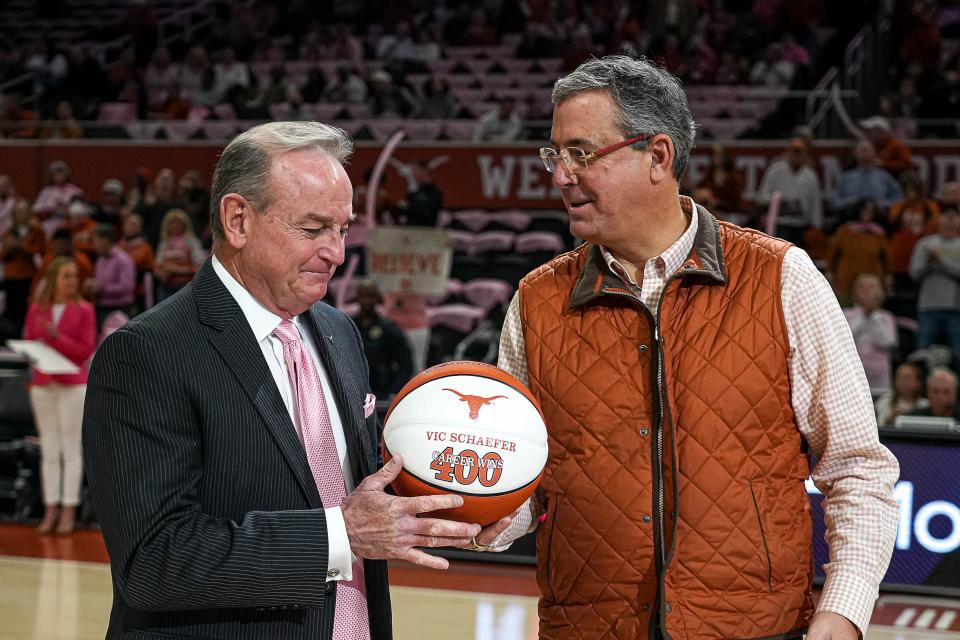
x=42, y=357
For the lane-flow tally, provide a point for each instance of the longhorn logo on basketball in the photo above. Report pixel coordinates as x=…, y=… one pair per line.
x=474, y=402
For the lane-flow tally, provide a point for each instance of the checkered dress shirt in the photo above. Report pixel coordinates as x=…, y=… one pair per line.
x=833, y=409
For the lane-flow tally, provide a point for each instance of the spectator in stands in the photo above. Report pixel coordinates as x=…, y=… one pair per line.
x=384, y=344
x=801, y=204
x=159, y=74
x=15, y=120
x=64, y=127
x=396, y=45
x=194, y=197
x=387, y=99
x=856, y=248
x=114, y=284
x=110, y=209
x=314, y=86
x=230, y=73
x=140, y=250
x=193, y=73
x=942, y=395
x=950, y=194
x=179, y=254
x=157, y=201
x=52, y=201
x=81, y=227
x=478, y=33
x=8, y=196
x=172, y=105
x=892, y=154
x=347, y=86
x=86, y=82
x=501, y=124
x=437, y=102
x=774, y=69
x=909, y=219
x=935, y=265
x=865, y=181
x=20, y=247
x=421, y=207
x=61, y=246
x=874, y=331
x=62, y=320
x=905, y=396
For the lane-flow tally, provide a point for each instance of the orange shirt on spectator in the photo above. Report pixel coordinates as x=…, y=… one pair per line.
x=855, y=248
x=912, y=220
x=894, y=156
x=18, y=257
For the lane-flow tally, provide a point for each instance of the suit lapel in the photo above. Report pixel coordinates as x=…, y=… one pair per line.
x=346, y=391
x=235, y=342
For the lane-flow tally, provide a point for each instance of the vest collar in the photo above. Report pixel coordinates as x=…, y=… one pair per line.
x=705, y=260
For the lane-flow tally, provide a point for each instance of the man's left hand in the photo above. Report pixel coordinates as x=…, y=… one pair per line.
x=827, y=625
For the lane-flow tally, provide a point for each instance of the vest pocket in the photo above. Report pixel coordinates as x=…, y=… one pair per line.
x=754, y=493
x=545, y=550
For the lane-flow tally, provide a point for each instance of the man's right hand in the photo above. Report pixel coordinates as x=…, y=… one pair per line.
x=382, y=526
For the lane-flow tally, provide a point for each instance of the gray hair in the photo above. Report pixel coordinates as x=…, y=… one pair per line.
x=942, y=371
x=244, y=165
x=649, y=100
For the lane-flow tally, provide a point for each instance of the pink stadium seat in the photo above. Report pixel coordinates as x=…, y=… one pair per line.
x=461, y=80
x=384, y=128
x=461, y=241
x=494, y=242
x=219, y=130
x=459, y=317
x=473, y=220
x=487, y=293
x=454, y=288
x=550, y=65
x=358, y=111
x=198, y=113
x=539, y=241
x=225, y=111
x=500, y=80
x=423, y=130
x=459, y=130
x=477, y=66
x=325, y=111
x=515, y=65
x=513, y=218
x=117, y=112
x=179, y=131
x=443, y=65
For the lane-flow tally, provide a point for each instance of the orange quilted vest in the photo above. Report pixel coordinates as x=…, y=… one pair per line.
x=670, y=447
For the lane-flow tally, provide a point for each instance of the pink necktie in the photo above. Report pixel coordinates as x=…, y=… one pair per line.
x=350, y=620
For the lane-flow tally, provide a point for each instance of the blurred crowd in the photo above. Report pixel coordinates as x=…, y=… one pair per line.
x=133, y=243
x=393, y=59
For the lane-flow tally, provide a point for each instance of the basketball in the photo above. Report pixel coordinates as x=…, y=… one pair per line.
x=470, y=429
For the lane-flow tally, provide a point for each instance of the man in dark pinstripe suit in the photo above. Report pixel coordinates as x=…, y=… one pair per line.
x=192, y=440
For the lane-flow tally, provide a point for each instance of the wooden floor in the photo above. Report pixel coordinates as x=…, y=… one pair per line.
x=58, y=588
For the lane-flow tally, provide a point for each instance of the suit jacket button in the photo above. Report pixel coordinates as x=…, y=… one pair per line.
x=333, y=573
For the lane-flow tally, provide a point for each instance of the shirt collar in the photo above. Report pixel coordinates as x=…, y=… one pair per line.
x=673, y=256
x=262, y=321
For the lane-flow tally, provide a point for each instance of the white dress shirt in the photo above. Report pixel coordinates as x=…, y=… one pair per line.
x=833, y=409
x=262, y=322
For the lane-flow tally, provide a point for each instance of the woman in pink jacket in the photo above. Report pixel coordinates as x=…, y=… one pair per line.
x=61, y=319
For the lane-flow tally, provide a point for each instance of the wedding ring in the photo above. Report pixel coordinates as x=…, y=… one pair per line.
x=476, y=546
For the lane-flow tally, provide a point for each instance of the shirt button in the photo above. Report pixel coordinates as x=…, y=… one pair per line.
x=643, y=348
x=644, y=432
x=333, y=573
x=645, y=518
x=646, y=606
x=669, y=608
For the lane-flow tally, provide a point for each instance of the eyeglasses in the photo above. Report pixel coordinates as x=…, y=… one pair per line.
x=576, y=159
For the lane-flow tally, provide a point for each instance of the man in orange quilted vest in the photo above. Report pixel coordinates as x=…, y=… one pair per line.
x=685, y=367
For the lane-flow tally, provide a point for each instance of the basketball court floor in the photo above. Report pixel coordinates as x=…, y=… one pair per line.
x=58, y=588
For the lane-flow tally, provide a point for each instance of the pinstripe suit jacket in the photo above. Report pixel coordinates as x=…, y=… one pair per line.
x=212, y=519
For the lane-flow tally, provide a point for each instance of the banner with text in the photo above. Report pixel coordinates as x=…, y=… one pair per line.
x=409, y=259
